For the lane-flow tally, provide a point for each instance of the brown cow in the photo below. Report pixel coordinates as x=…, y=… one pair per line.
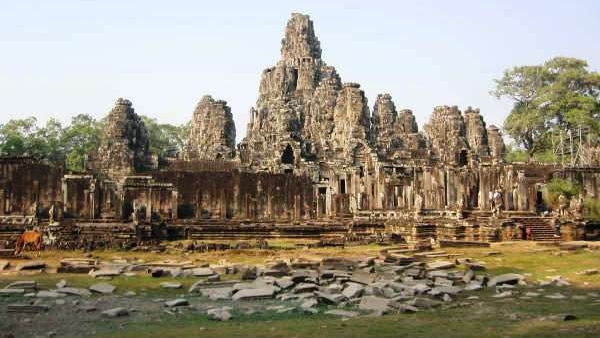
x=29, y=237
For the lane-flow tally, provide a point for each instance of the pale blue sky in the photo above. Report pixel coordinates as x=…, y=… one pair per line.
x=60, y=58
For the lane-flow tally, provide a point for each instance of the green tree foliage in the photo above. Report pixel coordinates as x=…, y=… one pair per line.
x=80, y=139
x=166, y=140
x=74, y=144
x=559, y=95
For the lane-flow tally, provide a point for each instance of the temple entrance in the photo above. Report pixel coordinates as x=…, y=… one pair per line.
x=463, y=158
x=342, y=186
x=287, y=157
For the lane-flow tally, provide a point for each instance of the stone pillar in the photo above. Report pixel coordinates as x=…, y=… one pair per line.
x=65, y=194
x=149, y=205
x=174, y=203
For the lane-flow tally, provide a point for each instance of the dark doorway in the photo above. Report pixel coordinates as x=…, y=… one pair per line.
x=342, y=186
x=462, y=158
x=287, y=157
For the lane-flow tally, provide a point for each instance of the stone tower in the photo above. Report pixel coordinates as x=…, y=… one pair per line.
x=124, y=147
x=297, y=117
x=213, y=131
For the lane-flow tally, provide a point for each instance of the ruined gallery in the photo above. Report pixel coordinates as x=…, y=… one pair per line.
x=317, y=161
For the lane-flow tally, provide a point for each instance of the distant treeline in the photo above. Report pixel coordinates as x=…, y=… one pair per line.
x=71, y=144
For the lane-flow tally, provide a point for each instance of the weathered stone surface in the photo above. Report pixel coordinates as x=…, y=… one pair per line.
x=31, y=266
x=352, y=290
x=170, y=285
x=125, y=143
x=217, y=293
x=212, y=135
x=219, y=314
x=177, y=302
x=105, y=273
x=49, y=294
x=104, y=288
x=27, y=285
x=247, y=294
x=115, y=312
x=508, y=278
x=371, y=303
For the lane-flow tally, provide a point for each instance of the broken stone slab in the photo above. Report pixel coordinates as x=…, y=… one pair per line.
x=585, y=272
x=115, y=312
x=372, y=303
x=441, y=264
x=445, y=290
x=215, y=294
x=31, y=266
x=362, y=277
x=104, y=273
x=219, y=314
x=27, y=308
x=473, y=285
x=468, y=277
x=27, y=285
x=337, y=263
x=255, y=284
x=309, y=303
x=74, y=291
x=284, y=282
x=403, y=308
x=199, y=285
x=352, y=290
x=103, y=288
x=12, y=291
x=328, y=298
x=202, y=272
x=177, y=302
x=305, y=287
x=170, y=285
x=61, y=284
x=4, y=265
x=302, y=263
x=250, y=294
x=507, y=278
x=299, y=276
x=504, y=294
x=49, y=294
x=424, y=303
x=342, y=313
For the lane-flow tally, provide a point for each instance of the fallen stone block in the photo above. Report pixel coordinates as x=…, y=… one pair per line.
x=74, y=291
x=27, y=308
x=31, y=266
x=508, y=278
x=219, y=314
x=103, y=288
x=177, y=302
x=352, y=290
x=115, y=312
x=372, y=303
x=27, y=285
x=170, y=285
x=248, y=294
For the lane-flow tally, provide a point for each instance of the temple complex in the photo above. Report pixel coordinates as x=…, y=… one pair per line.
x=316, y=159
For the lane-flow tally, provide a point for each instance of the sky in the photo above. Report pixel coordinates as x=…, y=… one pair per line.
x=61, y=58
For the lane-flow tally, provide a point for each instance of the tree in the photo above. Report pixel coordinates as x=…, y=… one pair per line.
x=166, y=140
x=16, y=137
x=555, y=97
x=80, y=139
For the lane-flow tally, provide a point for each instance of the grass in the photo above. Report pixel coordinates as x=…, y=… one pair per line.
x=483, y=317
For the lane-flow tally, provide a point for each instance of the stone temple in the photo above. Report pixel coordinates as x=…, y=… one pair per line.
x=317, y=160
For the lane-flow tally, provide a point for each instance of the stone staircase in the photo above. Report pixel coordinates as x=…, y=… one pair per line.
x=541, y=228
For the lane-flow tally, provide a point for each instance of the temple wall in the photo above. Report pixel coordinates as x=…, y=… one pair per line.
x=23, y=182
x=240, y=195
